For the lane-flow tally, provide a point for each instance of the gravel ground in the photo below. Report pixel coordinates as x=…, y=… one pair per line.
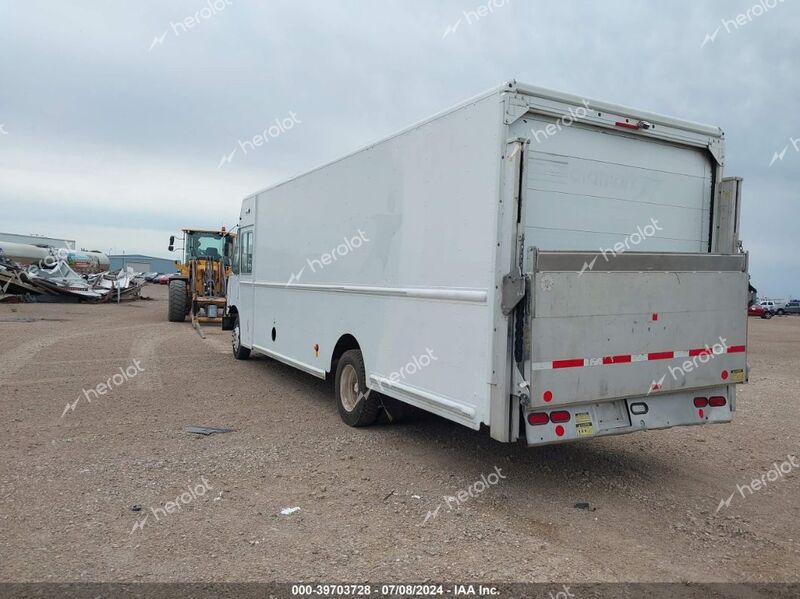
x=73, y=471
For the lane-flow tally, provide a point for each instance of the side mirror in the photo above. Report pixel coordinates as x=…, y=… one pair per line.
x=171, y=243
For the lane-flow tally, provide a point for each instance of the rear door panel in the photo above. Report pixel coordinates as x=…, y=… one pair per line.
x=588, y=187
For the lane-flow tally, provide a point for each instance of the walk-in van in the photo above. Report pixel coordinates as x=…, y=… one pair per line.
x=547, y=265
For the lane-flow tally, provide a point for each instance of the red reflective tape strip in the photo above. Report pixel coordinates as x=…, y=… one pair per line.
x=626, y=125
x=617, y=359
x=576, y=363
x=699, y=352
x=628, y=358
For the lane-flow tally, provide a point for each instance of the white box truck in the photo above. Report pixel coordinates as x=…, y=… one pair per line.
x=548, y=266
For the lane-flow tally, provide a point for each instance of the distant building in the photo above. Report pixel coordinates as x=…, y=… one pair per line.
x=40, y=240
x=141, y=263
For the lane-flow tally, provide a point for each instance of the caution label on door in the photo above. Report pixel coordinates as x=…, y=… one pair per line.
x=583, y=424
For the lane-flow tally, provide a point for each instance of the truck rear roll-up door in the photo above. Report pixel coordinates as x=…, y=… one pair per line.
x=634, y=324
x=587, y=187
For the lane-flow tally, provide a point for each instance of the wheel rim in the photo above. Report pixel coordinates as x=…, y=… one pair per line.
x=348, y=388
x=236, y=342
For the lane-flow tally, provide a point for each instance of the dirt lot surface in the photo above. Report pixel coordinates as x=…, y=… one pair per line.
x=71, y=476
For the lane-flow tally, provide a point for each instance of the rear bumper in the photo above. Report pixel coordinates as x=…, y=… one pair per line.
x=622, y=416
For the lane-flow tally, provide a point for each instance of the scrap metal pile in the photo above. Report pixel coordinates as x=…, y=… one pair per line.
x=31, y=273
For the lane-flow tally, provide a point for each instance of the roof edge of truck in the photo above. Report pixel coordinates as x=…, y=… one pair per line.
x=513, y=86
x=654, y=117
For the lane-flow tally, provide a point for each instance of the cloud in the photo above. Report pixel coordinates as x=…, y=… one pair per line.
x=106, y=130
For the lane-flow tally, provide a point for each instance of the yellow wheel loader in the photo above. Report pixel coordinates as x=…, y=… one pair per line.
x=199, y=290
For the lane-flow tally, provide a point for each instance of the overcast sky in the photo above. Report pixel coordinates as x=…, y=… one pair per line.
x=115, y=116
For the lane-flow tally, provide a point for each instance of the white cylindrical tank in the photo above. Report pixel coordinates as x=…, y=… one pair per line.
x=80, y=261
x=23, y=253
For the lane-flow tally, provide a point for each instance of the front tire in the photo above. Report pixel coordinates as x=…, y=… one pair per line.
x=176, y=311
x=239, y=351
x=358, y=405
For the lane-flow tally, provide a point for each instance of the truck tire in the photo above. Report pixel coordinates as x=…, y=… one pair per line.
x=780, y=312
x=240, y=352
x=177, y=301
x=358, y=405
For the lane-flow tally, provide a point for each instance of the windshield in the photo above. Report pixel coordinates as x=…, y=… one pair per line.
x=204, y=245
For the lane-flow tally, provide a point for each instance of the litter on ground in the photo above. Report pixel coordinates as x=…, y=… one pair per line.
x=207, y=430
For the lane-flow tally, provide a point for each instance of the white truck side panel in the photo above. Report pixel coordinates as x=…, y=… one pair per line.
x=394, y=245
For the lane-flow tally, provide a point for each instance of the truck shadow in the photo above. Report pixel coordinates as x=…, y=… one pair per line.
x=620, y=460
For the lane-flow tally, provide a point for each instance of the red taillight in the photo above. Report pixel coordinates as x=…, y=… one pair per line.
x=538, y=418
x=700, y=402
x=717, y=401
x=560, y=416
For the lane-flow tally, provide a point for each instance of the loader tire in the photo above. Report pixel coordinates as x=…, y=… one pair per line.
x=358, y=405
x=177, y=301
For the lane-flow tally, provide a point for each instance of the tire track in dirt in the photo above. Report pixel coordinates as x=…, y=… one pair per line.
x=14, y=360
x=145, y=351
x=220, y=343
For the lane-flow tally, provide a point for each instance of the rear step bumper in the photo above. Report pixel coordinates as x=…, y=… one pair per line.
x=621, y=416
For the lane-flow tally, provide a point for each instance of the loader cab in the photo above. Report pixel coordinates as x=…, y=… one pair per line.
x=201, y=245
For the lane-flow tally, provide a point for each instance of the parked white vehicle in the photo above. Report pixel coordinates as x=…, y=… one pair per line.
x=548, y=266
x=775, y=306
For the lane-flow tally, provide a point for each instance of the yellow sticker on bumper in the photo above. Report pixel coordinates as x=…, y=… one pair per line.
x=583, y=424
x=737, y=376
